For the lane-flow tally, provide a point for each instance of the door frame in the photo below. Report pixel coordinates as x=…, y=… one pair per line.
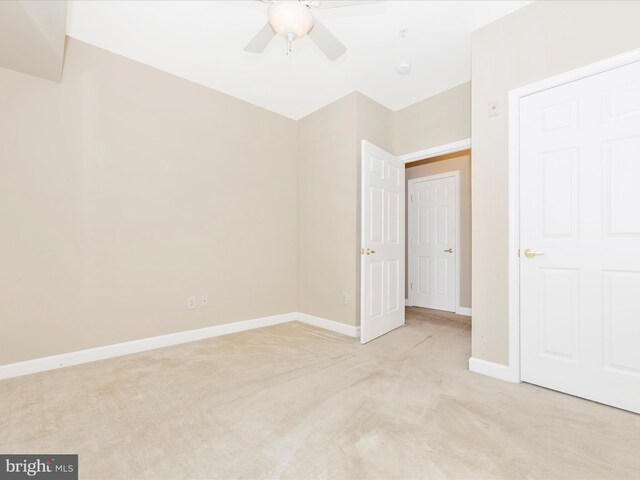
x=457, y=146
x=456, y=176
x=511, y=373
x=444, y=149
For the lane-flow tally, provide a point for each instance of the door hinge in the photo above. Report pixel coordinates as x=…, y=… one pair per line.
x=411, y=285
x=411, y=198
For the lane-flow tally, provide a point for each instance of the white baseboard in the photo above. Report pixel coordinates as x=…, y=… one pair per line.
x=135, y=346
x=151, y=343
x=407, y=303
x=344, y=329
x=495, y=370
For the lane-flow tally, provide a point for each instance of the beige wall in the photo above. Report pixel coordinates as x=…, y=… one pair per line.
x=460, y=161
x=536, y=42
x=329, y=202
x=438, y=120
x=124, y=190
x=375, y=123
x=327, y=182
x=32, y=36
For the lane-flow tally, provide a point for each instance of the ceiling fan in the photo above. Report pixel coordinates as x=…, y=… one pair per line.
x=293, y=19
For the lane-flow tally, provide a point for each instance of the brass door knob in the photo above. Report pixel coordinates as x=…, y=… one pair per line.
x=449, y=250
x=367, y=251
x=530, y=253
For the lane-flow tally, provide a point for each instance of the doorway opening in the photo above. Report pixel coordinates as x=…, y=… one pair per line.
x=438, y=232
x=383, y=231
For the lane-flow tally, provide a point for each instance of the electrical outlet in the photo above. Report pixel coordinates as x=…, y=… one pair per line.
x=344, y=297
x=204, y=300
x=191, y=303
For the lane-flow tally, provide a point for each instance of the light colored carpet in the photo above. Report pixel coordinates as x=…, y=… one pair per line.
x=292, y=401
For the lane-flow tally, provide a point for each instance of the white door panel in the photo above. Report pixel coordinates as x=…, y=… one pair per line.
x=432, y=233
x=580, y=205
x=382, y=259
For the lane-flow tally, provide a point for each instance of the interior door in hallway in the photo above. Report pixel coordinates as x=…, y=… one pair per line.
x=580, y=237
x=382, y=243
x=432, y=242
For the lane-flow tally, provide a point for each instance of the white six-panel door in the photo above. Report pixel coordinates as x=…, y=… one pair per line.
x=382, y=254
x=432, y=242
x=580, y=237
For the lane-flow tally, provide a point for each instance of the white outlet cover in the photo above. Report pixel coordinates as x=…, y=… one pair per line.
x=191, y=303
x=204, y=300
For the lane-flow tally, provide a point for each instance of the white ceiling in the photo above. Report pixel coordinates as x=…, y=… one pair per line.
x=203, y=42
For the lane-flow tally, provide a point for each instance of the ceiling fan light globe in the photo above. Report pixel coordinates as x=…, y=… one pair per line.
x=289, y=18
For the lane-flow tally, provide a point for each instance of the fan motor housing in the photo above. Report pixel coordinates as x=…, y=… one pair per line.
x=290, y=19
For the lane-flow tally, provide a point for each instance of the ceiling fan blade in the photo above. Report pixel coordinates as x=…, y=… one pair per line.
x=326, y=41
x=324, y=4
x=261, y=40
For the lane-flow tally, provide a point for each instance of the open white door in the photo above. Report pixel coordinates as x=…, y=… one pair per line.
x=382, y=253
